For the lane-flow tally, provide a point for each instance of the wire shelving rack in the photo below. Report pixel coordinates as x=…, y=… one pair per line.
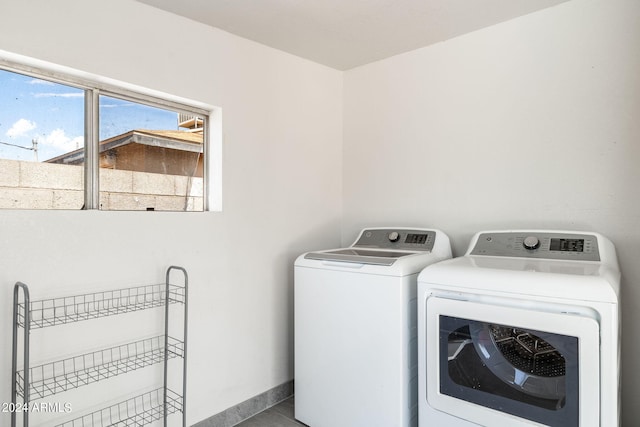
x=136, y=411
x=76, y=308
x=55, y=377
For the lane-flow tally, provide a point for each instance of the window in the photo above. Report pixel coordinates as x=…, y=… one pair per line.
x=39, y=120
x=67, y=143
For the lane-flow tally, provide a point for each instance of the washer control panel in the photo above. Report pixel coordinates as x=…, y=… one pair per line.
x=534, y=244
x=389, y=238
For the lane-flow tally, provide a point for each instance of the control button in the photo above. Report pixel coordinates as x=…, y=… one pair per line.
x=531, y=243
x=394, y=236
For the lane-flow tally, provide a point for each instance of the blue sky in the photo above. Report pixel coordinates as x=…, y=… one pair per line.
x=53, y=114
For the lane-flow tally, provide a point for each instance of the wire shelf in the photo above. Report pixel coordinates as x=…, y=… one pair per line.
x=56, y=377
x=137, y=411
x=57, y=311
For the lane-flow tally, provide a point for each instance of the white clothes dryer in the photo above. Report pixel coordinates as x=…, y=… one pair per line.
x=355, y=328
x=522, y=330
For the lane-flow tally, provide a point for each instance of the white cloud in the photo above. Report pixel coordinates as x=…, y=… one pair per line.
x=40, y=82
x=116, y=105
x=59, y=140
x=59, y=95
x=20, y=128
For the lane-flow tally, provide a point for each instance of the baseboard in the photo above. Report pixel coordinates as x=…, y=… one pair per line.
x=236, y=414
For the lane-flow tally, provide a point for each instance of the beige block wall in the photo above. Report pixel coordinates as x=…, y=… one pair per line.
x=30, y=185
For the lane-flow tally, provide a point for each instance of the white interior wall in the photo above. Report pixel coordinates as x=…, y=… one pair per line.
x=531, y=123
x=282, y=142
x=524, y=124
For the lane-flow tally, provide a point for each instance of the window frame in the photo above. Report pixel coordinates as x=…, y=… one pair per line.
x=95, y=86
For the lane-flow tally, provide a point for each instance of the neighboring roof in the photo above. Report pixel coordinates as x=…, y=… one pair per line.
x=179, y=135
x=172, y=139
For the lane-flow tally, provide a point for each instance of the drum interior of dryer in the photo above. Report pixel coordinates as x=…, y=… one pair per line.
x=521, y=359
x=527, y=352
x=508, y=368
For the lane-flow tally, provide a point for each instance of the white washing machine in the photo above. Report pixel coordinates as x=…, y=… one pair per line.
x=355, y=329
x=523, y=330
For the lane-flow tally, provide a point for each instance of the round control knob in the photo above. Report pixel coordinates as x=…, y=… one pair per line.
x=531, y=243
x=394, y=236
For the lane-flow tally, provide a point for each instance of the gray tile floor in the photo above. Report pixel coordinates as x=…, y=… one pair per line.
x=280, y=415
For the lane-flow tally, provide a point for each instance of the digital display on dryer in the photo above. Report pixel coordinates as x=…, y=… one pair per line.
x=567, y=245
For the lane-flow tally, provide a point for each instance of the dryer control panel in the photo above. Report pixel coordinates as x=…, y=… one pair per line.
x=538, y=244
x=392, y=238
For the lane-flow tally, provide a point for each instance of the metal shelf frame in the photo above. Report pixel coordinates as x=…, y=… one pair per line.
x=65, y=374
x=56, y=311
x=137, y=411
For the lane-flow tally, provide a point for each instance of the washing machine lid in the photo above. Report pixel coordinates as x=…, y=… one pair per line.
x=359, y=256
x=381, y=246
x=397, y=252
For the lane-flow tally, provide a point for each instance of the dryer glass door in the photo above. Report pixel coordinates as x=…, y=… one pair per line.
x=503, y=360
